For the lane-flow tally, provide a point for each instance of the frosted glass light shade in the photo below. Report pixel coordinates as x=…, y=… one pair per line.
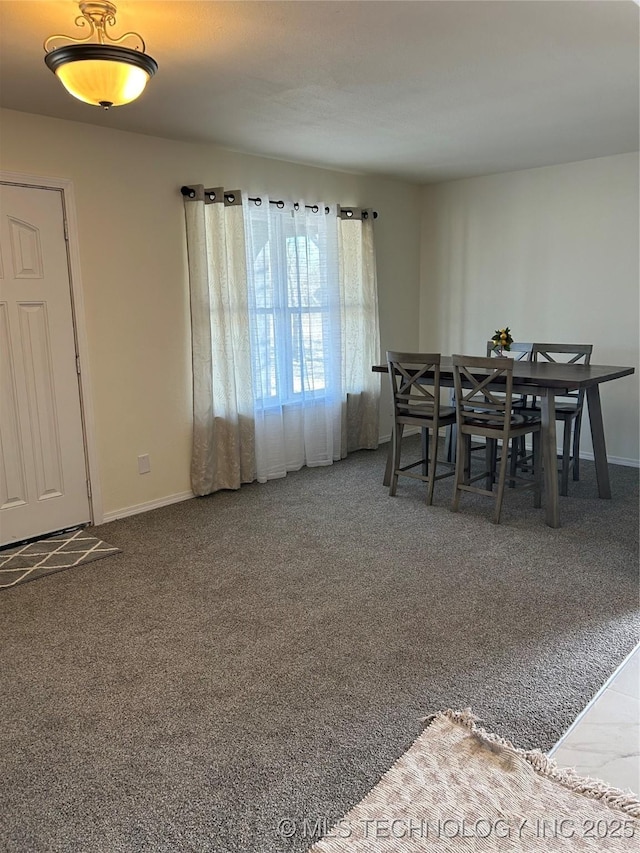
x=102, y=75
x=97, y=82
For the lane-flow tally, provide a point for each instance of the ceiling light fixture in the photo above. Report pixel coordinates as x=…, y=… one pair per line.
x=100, y=71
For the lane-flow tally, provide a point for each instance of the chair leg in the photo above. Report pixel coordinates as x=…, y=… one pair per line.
x=432, y=466
x=389, y=466
x=491, y=460
x=467, y=459
x=576, y=447
x=501, y=481
x=451, y=438
x=460, y=474
x=517, y=450
x=490, y=456
x=397, y=441
x=566, y=458
x=425, y=452
x=537, y=471
x=450, y=443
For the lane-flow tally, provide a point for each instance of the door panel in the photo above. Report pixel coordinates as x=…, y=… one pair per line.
x=43, y=477
x=13, y=483
x=26, y=250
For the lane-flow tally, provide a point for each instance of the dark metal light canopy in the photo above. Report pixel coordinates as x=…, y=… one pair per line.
x=98, y=69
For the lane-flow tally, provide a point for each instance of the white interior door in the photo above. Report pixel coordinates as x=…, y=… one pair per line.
x=43, y=472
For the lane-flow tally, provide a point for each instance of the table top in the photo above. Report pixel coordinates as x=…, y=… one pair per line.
x=544, y=374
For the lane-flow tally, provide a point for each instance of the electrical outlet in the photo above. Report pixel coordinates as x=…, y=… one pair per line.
x=144, y=465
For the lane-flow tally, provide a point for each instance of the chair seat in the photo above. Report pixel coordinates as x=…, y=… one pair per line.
x=561, y=408
x=528, y=415
x=418, y=411
x=517, y=420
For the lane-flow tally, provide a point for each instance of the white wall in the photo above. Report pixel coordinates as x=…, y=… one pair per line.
x=553, y=253
x=135, y=285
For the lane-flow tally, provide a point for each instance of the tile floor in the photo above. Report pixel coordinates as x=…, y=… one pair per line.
x=604, y=741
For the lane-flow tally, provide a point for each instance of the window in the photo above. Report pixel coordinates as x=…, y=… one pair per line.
x=284, y=316
x=294, y=306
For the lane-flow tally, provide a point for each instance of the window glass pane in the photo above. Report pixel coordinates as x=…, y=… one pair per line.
x=264, y=357
x=262, y=278
x=304, y=272
x=309, y=352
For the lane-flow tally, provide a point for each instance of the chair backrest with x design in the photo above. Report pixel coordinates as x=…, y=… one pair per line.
x=413, y=399
x=484, y=398
x=564, y=354
x=483, y=410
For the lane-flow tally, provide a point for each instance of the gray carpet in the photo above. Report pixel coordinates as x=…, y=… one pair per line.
x=268, y=653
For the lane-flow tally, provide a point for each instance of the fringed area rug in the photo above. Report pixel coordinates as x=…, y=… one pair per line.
x=53, y=554
x=459, y=788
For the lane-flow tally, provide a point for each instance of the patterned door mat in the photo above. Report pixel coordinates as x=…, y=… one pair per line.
x=52, y=554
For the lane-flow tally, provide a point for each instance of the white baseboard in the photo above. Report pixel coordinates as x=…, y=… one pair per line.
x=185, y=496
x=145, y=507
x=613, y=460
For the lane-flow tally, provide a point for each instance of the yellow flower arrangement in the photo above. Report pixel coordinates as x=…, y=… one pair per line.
x=502, y=340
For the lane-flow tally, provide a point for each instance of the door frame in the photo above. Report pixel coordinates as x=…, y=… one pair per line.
x=65, y=187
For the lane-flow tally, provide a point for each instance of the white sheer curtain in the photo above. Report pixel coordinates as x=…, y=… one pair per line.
x=285, y=330
x=294, y=307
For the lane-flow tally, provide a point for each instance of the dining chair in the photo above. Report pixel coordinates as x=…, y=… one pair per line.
x=415, y=390
x=521, y=352
x=518, y=351
x=496, y=420
x=568, y=407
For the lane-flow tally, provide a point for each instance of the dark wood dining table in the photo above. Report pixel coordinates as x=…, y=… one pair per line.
x=548, y=380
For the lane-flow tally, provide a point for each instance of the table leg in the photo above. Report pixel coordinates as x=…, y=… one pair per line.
x=549, y=460
x=597, y=439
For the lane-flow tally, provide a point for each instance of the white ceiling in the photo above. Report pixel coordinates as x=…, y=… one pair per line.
x=424, y=91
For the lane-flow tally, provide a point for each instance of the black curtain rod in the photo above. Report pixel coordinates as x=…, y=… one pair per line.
x=280, y=204
x=190, y=192
x=313, y=207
